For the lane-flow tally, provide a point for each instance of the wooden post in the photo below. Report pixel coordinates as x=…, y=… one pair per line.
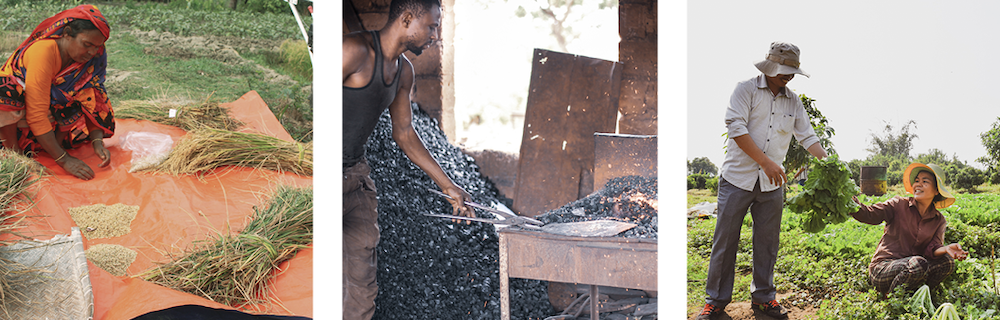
x=504, y=280
x=448, y=70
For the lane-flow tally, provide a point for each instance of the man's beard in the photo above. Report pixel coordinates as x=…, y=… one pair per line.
x=415, y=49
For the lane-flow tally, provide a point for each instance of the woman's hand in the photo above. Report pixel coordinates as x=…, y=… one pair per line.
x=75, y=167
x=102, y=152
x=955, y=251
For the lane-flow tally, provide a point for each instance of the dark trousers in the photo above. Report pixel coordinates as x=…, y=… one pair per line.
x=765, y=210
x=361, y=235
x=910, y=272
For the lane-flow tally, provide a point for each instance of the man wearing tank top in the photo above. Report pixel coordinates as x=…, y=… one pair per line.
x=378, y=76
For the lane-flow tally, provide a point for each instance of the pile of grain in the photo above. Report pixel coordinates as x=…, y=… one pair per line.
x=113, y=258
x=102, y=221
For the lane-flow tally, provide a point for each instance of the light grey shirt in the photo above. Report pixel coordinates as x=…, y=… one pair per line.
x=770, y=121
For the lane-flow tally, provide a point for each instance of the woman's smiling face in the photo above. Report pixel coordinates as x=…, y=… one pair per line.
x=925, y=187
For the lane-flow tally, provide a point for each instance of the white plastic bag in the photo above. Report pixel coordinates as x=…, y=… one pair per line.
x=148, y=149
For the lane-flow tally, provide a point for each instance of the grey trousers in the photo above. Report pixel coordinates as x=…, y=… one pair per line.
x=765, y=210
x=361, y=235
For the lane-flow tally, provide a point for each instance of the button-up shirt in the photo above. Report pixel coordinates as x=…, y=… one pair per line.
x=906, y=233
x=771, y=121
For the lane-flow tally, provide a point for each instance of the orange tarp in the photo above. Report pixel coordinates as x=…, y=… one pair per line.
x=174, y=211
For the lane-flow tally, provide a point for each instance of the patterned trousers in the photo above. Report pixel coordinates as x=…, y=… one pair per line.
x=910, y=272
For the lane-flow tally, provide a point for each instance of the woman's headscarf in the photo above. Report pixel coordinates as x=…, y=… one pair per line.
x=77, y=76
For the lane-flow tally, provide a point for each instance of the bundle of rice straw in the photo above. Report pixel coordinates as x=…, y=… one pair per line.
x=204, y=149
x=187, y=117
x=236, y=269
x=18, y=174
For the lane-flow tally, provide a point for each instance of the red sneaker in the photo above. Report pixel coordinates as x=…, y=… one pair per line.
x=771, y=308
x=709, y=313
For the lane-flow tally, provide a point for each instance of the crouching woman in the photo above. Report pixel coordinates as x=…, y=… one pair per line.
x=912, y=250
x=52, y=95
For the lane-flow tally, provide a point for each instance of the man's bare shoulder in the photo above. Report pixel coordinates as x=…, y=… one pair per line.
x=359, y=40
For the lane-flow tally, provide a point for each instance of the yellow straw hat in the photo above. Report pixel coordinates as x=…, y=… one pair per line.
x=910, y=175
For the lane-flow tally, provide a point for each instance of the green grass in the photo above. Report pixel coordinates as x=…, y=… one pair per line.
x=22, y=16
x=154, y=75
x=696, y=196
x=828, y=270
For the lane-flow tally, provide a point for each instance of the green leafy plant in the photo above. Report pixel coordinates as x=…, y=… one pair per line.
x=827, y=195
x=698, y=180
x=797, y=156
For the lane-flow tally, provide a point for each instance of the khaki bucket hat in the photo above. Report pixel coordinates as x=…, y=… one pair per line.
x=910, y=175
x=783, y=58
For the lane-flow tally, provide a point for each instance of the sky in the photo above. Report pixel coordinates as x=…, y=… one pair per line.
x=871, y=63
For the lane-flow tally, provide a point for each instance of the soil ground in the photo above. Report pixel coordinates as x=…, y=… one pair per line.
x=742, y=311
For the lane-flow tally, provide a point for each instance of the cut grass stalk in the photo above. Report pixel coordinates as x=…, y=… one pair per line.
x=205, y=149
x=18, y=174
x=236, y=269
x=187, y=117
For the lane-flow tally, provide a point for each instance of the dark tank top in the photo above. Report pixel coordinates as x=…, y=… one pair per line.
x=363, y=106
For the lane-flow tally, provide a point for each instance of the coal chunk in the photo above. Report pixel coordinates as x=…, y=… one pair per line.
x=432, y=268
x=630, y=199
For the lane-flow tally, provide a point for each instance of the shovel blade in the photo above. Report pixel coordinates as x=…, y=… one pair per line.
x=596, y=228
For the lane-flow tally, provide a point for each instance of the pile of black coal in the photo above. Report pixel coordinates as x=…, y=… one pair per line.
x=629, y=199
x=432, y=268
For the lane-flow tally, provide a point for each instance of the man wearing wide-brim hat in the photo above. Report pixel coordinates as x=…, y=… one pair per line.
x=912, y=250
x=762, y=118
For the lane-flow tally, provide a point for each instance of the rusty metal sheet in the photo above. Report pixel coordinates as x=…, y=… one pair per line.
x=570, y=98
x=617, y=262
x=619, y=155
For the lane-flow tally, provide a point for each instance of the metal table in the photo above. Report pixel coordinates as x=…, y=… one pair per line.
x=596, y=261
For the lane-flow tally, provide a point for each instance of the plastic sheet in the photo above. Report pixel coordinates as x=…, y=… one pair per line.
x=174, y=211
x=148, y=148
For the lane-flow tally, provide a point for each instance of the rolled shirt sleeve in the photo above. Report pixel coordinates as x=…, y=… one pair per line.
x=804, y=132
x=876, y=213
x=739, y=110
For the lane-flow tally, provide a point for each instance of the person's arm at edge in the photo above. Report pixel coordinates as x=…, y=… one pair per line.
x=409, y=142
x=876, y=213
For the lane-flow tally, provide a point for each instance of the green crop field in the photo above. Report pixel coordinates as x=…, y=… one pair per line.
x=826, y=272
